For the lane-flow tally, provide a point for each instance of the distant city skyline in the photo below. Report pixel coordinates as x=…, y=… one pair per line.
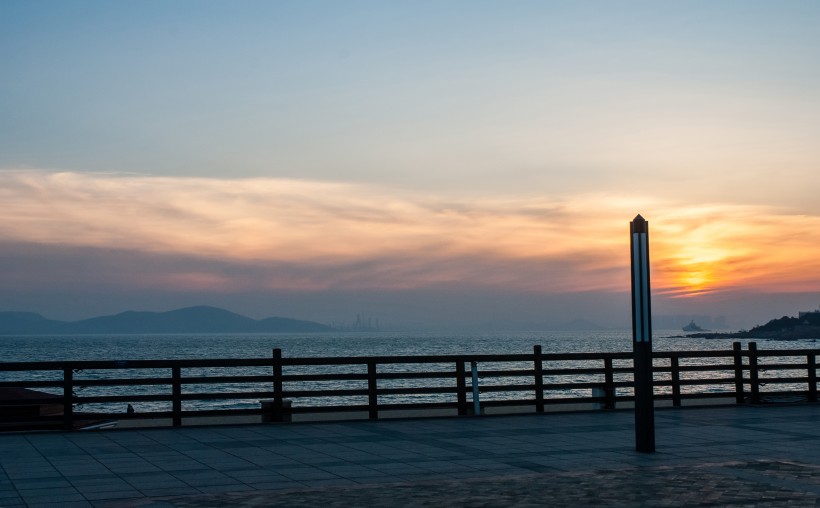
x=434, y=164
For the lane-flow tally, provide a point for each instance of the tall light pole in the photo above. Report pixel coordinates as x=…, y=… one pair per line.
x=642, y=336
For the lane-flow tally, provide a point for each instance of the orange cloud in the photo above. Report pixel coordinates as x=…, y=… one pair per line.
x=314, y=235
x=714, y=248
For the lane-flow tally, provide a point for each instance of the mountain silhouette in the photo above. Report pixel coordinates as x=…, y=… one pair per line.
x=27, y=323
x=199, y=319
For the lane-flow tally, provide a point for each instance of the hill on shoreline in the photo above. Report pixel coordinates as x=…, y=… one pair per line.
x=198, y=319
x=784, y=328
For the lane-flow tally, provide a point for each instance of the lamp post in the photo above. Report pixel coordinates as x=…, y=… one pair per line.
x=642, y=336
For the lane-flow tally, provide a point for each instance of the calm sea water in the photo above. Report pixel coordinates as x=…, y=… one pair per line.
x=133, y=347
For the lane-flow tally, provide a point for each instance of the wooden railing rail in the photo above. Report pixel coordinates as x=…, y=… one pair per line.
x=376, y=384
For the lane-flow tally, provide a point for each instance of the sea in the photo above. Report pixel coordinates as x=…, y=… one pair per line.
x=36, y=348
x=218, y=346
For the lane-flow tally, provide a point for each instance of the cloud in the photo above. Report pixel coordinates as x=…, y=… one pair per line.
x=267, y=233
x=753, y=248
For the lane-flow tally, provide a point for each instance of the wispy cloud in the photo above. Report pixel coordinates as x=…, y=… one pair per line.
x=720, y=247
x=293, y=234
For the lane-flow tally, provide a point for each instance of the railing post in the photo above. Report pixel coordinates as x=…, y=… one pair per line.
x=811, y=363
x=539, y=378
x=372, y=395
x=461, y=388
x=176, y=396
x=754, y=375
x=737, y=354
x=278, y=401
x=476, y=396
x=68, y=398
x=675, y=367
x=609, y=384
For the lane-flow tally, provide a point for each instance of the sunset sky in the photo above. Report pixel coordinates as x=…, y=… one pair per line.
x=442, y=164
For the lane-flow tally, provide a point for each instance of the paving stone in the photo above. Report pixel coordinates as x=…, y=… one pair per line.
x=733, y=456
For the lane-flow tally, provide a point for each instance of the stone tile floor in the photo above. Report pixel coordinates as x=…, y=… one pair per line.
x=719, y=456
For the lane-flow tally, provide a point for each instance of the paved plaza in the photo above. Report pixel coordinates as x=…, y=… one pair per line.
x=719, y=456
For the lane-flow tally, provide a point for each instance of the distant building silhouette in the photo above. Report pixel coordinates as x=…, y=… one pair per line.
x=802, y=314
x=363, y=323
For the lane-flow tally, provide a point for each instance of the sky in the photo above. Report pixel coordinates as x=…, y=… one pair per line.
x=440, y=165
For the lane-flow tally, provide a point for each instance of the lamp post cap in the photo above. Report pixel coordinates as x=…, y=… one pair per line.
x=639, y=224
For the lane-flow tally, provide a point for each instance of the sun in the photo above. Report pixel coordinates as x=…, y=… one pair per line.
x=693, y=270
x=696, y=280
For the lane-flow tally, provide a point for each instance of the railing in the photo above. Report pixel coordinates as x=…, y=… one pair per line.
x=84, y=393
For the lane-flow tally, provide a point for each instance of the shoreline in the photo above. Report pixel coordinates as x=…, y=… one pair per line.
x=809, y=333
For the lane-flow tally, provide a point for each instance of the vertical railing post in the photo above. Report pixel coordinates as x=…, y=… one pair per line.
x=176, y=396
x=609, y=384
x=278, y=400
x=737, y=354
x=372, y=395
x=539, y=378
x=68, y=397
x=461, y=388
x=476, y=396
x=811, y=364
x=675, y=368
x=754, y=374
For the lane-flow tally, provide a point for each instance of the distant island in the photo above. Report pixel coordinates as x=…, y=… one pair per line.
x=805, y=326
x=199, y=319
x=692, y=327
